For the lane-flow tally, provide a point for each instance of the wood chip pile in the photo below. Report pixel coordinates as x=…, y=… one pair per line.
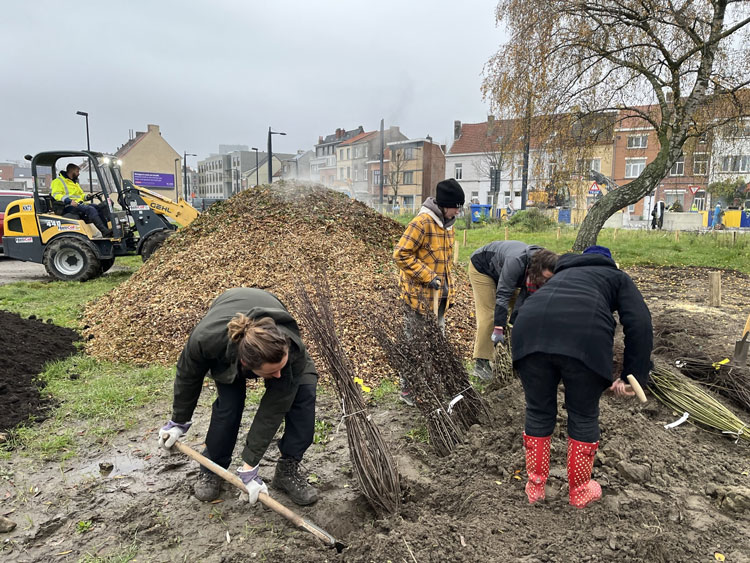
x=265, y=237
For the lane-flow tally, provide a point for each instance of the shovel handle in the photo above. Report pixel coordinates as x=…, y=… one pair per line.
x=747, y=328
x=266, y=500
x=637, y=388
x=436, y=301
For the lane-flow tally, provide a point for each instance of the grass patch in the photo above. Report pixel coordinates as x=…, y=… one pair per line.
x=385, y=391
x=630, y=247
x=419, y=434
x=122, y=554
x=95, y=399
x=63, y=302
x=323, y=430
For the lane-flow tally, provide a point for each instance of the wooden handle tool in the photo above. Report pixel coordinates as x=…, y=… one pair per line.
x=637, y=388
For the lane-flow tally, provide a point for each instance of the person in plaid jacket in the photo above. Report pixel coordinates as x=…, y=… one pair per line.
x=424, y=254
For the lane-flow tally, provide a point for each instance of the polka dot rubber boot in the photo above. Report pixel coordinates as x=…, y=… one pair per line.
x=537, y=465
x=583, y=489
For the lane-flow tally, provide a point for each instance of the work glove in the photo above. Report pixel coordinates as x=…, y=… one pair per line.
x=253, y=483
x=171, y=432
x=434, y=284
x=497, y=336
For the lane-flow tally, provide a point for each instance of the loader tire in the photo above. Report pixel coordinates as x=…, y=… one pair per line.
x=106, y=264
x=153, y=243
x=71, y=259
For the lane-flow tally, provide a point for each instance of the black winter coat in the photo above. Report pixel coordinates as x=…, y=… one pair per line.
x=572, y=315
x=505, y=261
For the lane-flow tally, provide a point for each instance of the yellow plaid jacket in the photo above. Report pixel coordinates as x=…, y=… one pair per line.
x=424, y=252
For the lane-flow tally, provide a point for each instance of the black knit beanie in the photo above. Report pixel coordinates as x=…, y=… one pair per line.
x=449, y=194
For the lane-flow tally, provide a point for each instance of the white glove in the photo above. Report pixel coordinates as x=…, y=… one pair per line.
x=253, y=490
x=171, y=432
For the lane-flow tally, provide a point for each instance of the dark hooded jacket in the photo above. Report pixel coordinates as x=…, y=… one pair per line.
x=572, y=315
x=210, y=352
x=506, y=263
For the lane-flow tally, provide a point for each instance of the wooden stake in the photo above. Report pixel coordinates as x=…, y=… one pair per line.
x=714, y=289
x=464, y=238
x=677, y=236
x=614, y=235
x=558, y=233
x=734, y=238
x=506, y=233
x=455, y=252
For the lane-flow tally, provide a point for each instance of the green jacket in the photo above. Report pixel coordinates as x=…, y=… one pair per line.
x=210, y=352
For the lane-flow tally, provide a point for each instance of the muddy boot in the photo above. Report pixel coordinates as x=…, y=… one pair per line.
x=288, y=480
x=537, y=465
x=482, y=370
x=207, y=487
x=583, y=489
x=99, y=224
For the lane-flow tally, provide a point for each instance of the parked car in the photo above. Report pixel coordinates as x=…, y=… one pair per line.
x=7, y=197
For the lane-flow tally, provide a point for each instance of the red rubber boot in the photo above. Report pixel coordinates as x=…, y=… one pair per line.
x=537, y=465
x=583, y=489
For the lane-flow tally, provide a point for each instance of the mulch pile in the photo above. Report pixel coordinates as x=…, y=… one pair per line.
x=27, y=344
x=270, y=238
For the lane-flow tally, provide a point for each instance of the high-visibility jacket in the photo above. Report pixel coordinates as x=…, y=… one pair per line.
x=63, y=188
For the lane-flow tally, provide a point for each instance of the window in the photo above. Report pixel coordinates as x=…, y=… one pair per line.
x=408, y=177
x=348, y=154
x=348, y=172
x=738, y=131
x=638, y=141
x=634, y=167
x=458, y=172
x=585, y=165
x=376, y=177
x=700, y=163
x=678, y=168
x=474, y=195
x=631, y=208
x=735, y=164
x=356, y=174
x=409, y=154
x=494, y=179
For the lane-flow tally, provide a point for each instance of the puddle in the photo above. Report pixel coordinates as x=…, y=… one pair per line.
x=112, y=466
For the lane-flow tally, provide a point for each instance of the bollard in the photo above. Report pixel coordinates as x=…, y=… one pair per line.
x=714, y=289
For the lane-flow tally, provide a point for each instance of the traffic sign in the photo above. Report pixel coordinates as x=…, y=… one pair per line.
x=694, y=189
x=594, y=189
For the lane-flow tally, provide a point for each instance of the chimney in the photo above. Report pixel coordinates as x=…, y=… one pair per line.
x=153, y=128
x=320, y=139
x=456, y=130
x=429, y=139
x=339, y=132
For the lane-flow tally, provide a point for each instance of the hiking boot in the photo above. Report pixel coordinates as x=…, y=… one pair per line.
x=207, y=487
x=482, y=370
x=287, y=479
x=408, y=398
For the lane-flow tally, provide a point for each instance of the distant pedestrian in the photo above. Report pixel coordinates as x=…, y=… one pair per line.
x=424, y=255
x=718, y=213
x=657, y=215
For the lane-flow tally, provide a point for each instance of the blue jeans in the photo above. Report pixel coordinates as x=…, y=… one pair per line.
x=540, y=375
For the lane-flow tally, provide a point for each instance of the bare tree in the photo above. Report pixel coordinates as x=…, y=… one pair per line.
x=678, y=66
x=396, y=168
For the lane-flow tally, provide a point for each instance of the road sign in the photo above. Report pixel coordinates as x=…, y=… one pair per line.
x=594, y=189
x=694, y=189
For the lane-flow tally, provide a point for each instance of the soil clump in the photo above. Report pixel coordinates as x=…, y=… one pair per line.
x=25, y=346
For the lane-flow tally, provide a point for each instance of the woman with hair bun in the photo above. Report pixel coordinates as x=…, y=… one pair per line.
x=248, y=334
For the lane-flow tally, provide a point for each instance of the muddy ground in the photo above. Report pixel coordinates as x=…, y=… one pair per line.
x=679, y=495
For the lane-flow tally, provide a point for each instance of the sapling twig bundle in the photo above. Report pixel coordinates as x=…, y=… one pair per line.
x=731, y=381
x=372, y=461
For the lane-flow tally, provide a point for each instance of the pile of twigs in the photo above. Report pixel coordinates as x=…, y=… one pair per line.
x=683, y=395
x=433, y=371
x=731, y=381
x=372, y=460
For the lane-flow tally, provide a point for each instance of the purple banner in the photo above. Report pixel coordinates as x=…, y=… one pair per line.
x=153, y=180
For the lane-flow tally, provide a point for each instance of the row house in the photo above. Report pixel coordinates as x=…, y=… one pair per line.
x=352, y=160
x=297, y=167
x=412, y=168
x=323, y=167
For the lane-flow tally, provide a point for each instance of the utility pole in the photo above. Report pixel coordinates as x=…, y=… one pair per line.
x=382, y=149
x=184, y=171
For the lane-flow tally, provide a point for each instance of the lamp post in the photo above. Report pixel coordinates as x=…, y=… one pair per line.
x=184, y=171
x=88, y=146
x=270, y=154
x=256, y=166
x=176, y=176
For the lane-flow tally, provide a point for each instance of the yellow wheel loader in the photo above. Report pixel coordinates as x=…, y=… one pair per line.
x=37, y=230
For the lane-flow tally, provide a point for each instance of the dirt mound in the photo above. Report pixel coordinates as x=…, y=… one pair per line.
x=267, y=238
x=25, y=346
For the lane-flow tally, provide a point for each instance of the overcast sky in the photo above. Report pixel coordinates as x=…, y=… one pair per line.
x=222, y=72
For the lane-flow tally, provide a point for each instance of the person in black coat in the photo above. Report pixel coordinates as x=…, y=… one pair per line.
x=565, y=331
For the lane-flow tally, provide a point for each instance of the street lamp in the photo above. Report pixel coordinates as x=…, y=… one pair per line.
x=184, y=169
x=88, y=146
x=270, y=154
x=176, y=176
x=256, y=166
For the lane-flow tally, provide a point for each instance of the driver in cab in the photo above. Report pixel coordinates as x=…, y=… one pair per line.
x=65, y=188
